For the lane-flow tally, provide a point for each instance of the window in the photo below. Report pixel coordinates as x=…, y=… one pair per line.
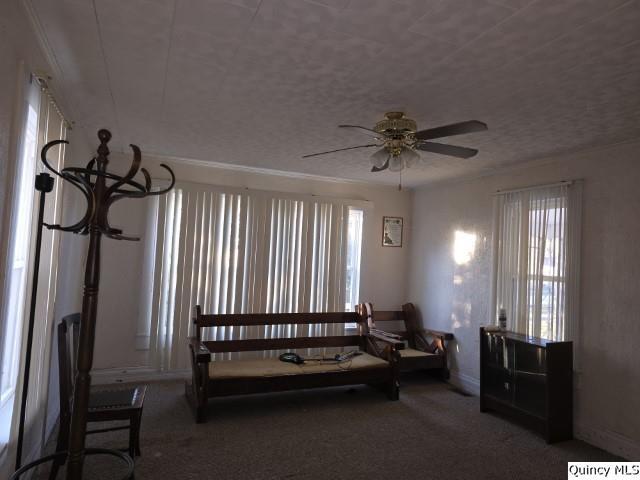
x=41, y=122
x=18, y=260
x=354, y=250
x=18, y=264
x=249, y=252
x=546, y=273
x=536, y=250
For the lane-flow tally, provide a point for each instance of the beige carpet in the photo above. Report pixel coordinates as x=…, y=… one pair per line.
x=338, y=433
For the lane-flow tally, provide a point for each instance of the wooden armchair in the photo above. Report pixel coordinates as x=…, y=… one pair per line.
x=427, y=349
x=105, y=403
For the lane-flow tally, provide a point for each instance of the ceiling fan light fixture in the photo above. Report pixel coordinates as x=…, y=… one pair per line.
x=409, y=157
x=379, y=158
x=395, y=163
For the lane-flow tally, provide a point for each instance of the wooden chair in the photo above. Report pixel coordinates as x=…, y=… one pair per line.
x=427, y=349
x=105, y=404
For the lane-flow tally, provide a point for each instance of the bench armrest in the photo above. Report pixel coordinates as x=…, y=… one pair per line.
x=397, y=344
x=200, y=352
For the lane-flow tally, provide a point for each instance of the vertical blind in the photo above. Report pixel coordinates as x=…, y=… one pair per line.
x=243, y=252
x=537, y=259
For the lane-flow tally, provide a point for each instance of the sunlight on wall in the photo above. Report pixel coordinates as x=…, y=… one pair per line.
x=455, y=323
x=464, y=246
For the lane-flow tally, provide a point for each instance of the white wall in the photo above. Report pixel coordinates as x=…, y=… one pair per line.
x=456, y=297
x=383, y=271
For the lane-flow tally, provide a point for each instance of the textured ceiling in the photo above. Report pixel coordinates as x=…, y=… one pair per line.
x=262, y=82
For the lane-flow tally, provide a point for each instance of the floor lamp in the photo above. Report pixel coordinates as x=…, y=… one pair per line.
x=44, y=185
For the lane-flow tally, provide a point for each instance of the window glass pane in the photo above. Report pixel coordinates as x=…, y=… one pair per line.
x=354, y=250
x=545, y=287
x=17, y=269
x=20, y=248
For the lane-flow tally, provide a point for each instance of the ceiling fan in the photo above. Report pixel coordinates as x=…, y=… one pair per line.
x=397, y=139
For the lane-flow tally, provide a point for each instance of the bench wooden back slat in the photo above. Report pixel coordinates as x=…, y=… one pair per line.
x=248, y=319
x=389, y=316
x=250, y=345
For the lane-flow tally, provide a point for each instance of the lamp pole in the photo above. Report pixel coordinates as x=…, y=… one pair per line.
x=43, y=184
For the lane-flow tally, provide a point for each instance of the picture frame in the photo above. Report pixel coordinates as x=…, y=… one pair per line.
x=392, y=231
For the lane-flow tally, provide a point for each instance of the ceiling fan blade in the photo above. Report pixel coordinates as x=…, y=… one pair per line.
x=340, y=150
x=383, y=167
x=367, y=130
x=443, y=149
x=450, y=130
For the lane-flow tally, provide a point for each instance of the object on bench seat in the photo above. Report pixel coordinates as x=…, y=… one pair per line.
x=427, y=348
x=270, y=367
x=216, y=378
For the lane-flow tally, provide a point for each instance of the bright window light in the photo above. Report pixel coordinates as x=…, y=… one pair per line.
x=354, y=252
x=17, y=271
x=464, y=247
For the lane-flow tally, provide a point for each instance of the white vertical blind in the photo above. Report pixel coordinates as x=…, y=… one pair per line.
x=244, y=252
x=536, y=259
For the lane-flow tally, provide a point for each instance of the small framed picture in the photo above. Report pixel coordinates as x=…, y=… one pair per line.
x=391, y=231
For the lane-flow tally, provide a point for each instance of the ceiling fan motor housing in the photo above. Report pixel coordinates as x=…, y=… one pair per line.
x=398, y=131
x=396, y=124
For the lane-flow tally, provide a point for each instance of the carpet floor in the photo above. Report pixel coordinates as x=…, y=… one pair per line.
x=336, y=433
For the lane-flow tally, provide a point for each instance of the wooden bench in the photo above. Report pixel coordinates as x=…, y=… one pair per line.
x=427, y=349
x=376, y=366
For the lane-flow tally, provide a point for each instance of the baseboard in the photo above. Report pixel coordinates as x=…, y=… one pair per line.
x=464, y=382
x=609, y=441
x=135, y=374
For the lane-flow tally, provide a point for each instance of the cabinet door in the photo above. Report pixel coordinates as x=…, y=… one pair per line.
x=530, y=378
x=498, y=367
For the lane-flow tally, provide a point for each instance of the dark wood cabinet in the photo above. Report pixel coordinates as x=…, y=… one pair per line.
x=529, y=379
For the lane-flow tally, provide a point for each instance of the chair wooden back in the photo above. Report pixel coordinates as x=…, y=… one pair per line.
x=68, y=331
x=407, y=317
x=416, y=336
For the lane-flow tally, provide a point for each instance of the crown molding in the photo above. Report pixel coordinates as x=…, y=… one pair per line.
x=267, y=171
x=536, y=162
x=56, y=74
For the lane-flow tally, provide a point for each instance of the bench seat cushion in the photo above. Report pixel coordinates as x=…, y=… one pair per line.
x=412, y=353
x=273, y=367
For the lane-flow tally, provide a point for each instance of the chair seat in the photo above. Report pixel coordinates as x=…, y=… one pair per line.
x=99, y=411
x=412, y=353
x=273, y=367
x=120, y=398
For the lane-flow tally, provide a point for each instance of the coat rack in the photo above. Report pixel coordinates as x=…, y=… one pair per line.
x=101, y=190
